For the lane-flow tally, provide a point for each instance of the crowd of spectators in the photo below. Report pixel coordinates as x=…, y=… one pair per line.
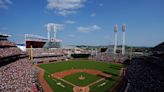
x=40, y=52
x=145, y=74
x=10, y=51
x=6, y=43
x=46, y=55
x=103, y=57
x=110, y=57
x=18, y=74
x=49, y=59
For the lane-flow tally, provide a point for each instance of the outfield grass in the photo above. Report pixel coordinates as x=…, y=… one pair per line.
x=109, y=83
x=111, y=68
x=61, y=66
x=74, y=78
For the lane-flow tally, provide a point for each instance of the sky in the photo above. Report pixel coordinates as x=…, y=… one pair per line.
x=85, y=22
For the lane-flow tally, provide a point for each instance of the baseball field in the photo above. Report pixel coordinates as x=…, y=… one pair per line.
x=81, y=75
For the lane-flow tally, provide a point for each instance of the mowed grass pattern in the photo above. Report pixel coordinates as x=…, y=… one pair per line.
x=111, y=68
x=74, y=78
x=56, y=88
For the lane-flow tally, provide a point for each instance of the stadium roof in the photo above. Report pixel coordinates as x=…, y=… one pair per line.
x=4, y=35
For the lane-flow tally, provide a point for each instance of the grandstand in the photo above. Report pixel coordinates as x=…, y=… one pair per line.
x=16, y=72
x=158, y=49
x=106, y=54
x=40, y=55
x=39, y=48
x=144, y=74
x=37, y=41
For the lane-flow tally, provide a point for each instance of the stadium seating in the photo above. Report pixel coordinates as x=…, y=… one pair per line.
x=18, y=74
x=6, y=43
x=110, y=57
x=47, y=55
x=145, y=74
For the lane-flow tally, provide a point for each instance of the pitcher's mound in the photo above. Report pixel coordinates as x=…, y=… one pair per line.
x=81, y=89
x=81, y=77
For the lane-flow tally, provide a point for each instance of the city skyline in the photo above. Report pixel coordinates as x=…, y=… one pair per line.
x=85, y=22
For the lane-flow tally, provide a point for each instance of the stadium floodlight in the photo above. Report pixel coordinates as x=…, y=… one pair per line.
x=123, y=27
x=56, y=28
x=50, y=26
x=52, y=29
x=115, y=34
x=115, y=28
x=123, y=38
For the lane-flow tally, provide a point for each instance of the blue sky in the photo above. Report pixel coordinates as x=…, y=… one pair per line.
x=88, y=22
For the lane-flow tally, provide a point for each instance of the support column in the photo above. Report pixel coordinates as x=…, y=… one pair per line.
x=115, y=34
x=123, y=39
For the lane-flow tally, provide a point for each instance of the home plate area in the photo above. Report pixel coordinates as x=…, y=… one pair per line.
x=81, y=79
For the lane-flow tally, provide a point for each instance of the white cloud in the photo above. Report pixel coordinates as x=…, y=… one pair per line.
x=5, y=3
x=88, y=29
x=93, y=15
x=70, y=22
x=65, y=7
x=66, y=12
x=65, y=4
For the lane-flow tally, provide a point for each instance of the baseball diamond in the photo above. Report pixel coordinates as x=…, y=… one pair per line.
x=81, y=75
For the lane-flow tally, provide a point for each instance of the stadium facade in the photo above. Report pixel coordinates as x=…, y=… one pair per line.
x=37, y=41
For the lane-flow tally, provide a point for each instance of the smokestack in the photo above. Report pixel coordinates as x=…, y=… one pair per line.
x=115, y=35
x=123, y=38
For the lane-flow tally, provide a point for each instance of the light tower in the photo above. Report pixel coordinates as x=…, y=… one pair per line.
x=123, y=38
x=55, y=31
x=50, y=30
x=115, y=35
